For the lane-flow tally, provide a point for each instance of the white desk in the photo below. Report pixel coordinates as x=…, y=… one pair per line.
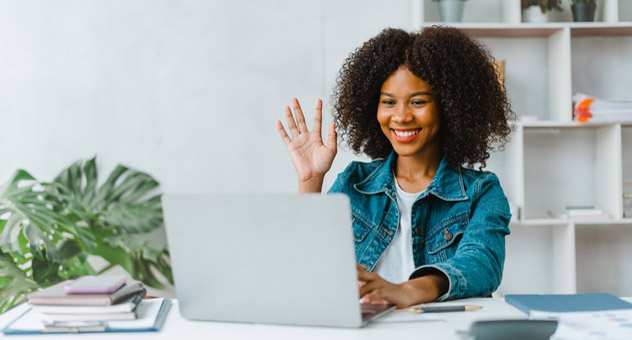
x=176, y=327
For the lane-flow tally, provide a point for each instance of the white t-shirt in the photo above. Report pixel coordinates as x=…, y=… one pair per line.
x=396, y=264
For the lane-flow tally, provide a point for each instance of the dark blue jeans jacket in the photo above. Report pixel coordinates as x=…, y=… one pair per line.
x=459, y=223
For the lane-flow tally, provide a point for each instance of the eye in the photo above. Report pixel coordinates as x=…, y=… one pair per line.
x=388, y=102
x=418, y=102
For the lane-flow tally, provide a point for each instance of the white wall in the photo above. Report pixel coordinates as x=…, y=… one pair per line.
x=187, y=91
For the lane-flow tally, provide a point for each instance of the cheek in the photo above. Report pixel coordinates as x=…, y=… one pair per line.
x=429, y=116
x=382, y=117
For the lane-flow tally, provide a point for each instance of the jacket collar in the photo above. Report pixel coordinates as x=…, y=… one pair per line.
x=447, y=183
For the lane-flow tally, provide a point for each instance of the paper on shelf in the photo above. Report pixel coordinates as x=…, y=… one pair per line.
x=591, y=109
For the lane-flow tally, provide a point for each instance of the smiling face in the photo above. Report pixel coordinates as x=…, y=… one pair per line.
x=408, y=114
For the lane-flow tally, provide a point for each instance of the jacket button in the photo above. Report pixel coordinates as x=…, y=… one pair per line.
x=418, y=231
x=447, y=235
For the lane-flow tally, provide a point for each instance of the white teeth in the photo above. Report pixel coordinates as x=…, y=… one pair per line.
x=406, y=133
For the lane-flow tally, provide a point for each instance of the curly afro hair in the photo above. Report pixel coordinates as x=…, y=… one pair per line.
x=472, y=104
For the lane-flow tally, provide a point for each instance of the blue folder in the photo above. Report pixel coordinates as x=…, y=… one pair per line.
x=158, y=321
x=561, y=303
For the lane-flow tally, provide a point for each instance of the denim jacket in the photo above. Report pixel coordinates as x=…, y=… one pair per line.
x=459, y=223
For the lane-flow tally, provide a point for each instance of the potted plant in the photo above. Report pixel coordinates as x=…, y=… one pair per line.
x=583, y=10
x=538, y=10
x=451, y=10
x=49, y=231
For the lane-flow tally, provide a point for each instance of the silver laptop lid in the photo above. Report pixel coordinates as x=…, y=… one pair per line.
x=282, y=258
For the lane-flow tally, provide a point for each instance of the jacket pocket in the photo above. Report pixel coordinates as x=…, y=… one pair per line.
x=360, y=229
x=446, y=234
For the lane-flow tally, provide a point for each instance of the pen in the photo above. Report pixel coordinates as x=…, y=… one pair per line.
x=443, y=309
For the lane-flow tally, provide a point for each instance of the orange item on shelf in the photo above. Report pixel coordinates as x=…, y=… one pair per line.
x=582, y=110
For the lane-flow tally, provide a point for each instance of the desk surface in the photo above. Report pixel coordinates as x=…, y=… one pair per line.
x=176, y=327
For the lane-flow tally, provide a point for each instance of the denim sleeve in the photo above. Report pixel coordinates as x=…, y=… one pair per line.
x=477, y=266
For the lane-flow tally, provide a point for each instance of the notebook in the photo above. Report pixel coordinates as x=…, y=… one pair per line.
x=56, y=295
x=542, y=305
x=275, y=258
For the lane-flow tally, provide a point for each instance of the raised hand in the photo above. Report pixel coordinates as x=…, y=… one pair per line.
x=311, y=158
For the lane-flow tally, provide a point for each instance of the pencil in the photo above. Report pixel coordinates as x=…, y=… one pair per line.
x=443, y=309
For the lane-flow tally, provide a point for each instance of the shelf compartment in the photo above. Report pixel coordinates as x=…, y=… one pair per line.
x=598, y=66
x=508, y=165
x=603, y=255
x=549, y=266
x=542, y=91
x=571, y=167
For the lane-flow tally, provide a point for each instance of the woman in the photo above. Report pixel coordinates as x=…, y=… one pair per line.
x=421, y=105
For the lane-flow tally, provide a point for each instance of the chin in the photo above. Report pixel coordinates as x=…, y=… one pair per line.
x=405, y=152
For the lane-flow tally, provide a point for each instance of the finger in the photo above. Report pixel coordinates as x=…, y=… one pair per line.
x=300, y=119
x=359, y=267
x=318, y=116
x=366, y=276
x=290, y=122
x=360, y=284
x=376, y=298
x=286, y=139
x=370, y=287
x=332, y=138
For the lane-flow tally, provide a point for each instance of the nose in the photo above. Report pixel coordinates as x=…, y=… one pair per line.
x=402, y=114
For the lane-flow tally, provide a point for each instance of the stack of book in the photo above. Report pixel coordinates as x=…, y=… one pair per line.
x=91, y=304
x=66, y=302
x=595, y=110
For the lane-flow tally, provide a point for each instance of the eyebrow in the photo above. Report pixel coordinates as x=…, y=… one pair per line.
x=419, y=93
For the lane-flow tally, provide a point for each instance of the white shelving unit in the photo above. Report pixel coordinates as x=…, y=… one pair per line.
x=553, y=162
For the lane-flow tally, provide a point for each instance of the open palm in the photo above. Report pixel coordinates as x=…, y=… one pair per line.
x=311, y=158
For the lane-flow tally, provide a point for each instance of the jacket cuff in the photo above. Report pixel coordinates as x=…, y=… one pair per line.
x=455, y=278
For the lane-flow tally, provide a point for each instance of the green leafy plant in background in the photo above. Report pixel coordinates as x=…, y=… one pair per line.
x=48, y=230
x=545, y=5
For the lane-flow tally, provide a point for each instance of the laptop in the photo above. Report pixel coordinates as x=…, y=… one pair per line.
x=265, y=258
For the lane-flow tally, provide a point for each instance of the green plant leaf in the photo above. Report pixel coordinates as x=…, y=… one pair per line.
x=28, y=210
x=126, y=200
x=126, y=203
x=138, y=256
x=14, y=283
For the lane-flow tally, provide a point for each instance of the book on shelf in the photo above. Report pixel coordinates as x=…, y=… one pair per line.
x=580, y=213
x=591, y=109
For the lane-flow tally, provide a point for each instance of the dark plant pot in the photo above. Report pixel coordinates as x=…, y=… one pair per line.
x=584, y=12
